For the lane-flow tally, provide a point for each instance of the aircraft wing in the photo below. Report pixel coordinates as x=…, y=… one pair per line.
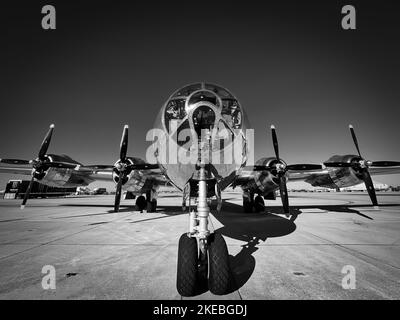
x=88, y=174
x=13, y=169
x=312, y=177
x=384, y=170
x=259, y=175
x=320, y=177
x=104, y=172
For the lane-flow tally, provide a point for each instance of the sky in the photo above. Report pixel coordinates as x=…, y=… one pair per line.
x=113, y=63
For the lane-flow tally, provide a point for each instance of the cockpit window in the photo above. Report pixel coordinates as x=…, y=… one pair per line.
x=175, y=110
x=185, y=91
x=183, y=101
x=218, y=90
x=231, y=113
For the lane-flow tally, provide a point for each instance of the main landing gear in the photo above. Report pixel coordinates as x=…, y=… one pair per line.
x=249, y=202
x=203, y=258
x=148, y=203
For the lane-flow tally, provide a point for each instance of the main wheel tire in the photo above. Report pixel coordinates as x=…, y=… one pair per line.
x=151, y=205
x=141, y=203
x=187, y=273
x=247, y=205
x=259, y=204
x=219, y=270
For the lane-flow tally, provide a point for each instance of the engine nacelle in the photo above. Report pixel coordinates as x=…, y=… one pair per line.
x=55, y=177
x=344, y=177
x=264, y=181
x=338, y=177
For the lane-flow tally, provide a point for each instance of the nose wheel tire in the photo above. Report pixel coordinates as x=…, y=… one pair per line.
x=219, y=270
x=187, y=274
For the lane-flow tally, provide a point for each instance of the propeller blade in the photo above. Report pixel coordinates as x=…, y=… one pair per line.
x=385, y=163
x=118, y=191
x=275, y=142
x=284, y=195
x=370, y=187
x=46, y=143
x=300, y=167
x=124, y=143
x=27, y=192
x=353, y=134
x=14, y=161
x=338, y=164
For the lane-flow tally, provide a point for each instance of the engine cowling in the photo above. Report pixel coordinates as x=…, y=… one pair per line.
x=338, y=177
x=265, y=181
x=56, y=177
x=135, y=180
x=344, y=177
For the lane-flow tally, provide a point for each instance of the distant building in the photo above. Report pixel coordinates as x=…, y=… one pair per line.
x=83, y=191
x=361, y=187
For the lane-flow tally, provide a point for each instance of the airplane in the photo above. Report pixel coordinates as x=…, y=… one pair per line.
x=201, y=107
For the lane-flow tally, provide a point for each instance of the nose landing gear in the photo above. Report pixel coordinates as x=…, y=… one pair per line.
x=203, y=257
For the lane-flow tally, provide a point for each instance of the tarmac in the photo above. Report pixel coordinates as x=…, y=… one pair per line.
x=98, y=254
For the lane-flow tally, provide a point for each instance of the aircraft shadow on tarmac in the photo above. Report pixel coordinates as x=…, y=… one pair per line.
x=255, y=227
x=251, y=228
x=111, y=210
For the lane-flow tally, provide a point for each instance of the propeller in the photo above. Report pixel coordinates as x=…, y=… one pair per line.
x=281, y=168
x=361, y=166
x=122, y=166
x=40, y=164
x=281, y=171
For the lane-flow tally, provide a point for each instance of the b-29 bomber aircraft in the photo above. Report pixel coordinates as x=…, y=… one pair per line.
x=191, y=121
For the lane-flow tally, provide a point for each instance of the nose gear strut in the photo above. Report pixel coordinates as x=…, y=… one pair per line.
x=203, y=257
